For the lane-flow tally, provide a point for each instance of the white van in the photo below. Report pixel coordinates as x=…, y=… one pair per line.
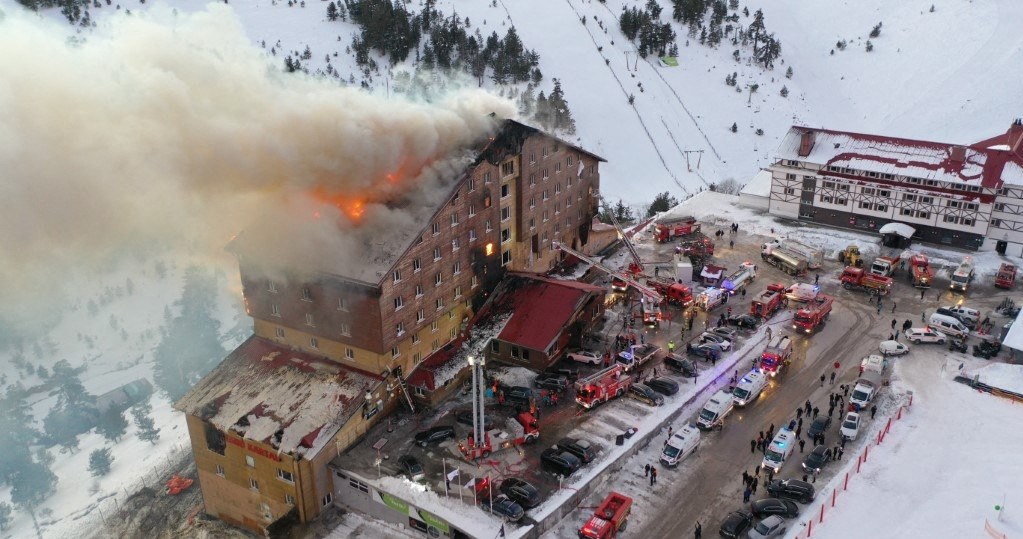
x=873, y=363
x=964, y=313
x=749, y=388
x=682, y=444
x=714, y=411
x=779, y=450
x=948, y=325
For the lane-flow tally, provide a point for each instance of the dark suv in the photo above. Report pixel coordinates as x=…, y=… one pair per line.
x=549, y=380
x=819, y=426
x=681, y=364
x=735, y=524
x=517, y=394
x=435, y=435
x=521, y=492
x=559, y=462
x=793, y=489
x=582, y=449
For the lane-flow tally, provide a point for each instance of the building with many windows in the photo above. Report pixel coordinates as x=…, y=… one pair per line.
x=960, y=195
x=336, y=346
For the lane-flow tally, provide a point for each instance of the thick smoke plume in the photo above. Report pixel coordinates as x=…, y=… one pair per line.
x=175, y=130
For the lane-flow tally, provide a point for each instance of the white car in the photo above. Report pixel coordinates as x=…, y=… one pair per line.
x=851, y=426
x=964, y=313
x=586, y=356
x=724, y=343
x=921, y=335
x=893, y=348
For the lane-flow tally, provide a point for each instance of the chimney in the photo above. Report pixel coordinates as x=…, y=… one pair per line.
x=806, y=139
x=958, y=154
x=1014, y=137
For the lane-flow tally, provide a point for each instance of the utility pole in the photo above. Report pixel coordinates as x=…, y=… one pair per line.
x=699, y=156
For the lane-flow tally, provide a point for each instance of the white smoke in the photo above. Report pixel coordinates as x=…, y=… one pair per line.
x=175, y=130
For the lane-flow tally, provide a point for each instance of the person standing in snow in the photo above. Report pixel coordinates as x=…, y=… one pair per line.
x=646, y=471
x=698, y=532
x=745, y=495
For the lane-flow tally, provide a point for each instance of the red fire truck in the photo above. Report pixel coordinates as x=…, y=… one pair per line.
x=700, y=247
x=813, y=314
x=859, y=279
x=676, y=293
x=775, y=357
x=609, y=519
x=1006, y=276
x=670, y=229
x=921, y=274
x=602, y=386
x=769, y=301
x=524, y=429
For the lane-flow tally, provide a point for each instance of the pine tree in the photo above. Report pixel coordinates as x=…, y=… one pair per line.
x=876, y=31
x=543, y=110
x=147, y=430
x=30, y=486
x=784, y=91
x=788, y=73
x=112, y=424
x=735, y=127
x=561, y=116
x=100, y=461
x=662, y=202
x=332, y=14
x=870, y=46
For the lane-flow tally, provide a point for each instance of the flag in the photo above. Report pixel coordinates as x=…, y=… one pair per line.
x=471, y=482
x=452, y=474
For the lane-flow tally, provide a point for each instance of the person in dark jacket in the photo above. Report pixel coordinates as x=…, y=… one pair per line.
x=698, y=532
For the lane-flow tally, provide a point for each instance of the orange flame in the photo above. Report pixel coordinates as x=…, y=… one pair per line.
x=353, y=206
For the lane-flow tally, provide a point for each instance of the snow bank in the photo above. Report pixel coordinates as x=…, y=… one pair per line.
x=1003, y=376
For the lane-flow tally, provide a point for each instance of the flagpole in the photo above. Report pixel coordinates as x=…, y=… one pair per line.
x=444, y=463
x=474, y=500
x=490, y=491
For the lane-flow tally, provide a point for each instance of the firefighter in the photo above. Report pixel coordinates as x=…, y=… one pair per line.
x=671, y=346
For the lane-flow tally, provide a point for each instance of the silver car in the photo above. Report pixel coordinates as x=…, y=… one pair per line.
x=772, y=526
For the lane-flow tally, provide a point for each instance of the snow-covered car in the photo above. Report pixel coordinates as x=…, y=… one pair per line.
x=708, y=337
x=922, y=335
x=851, y=426
x=893, y=348
x=586, y=356
x=772, y=526
x=506, y=507
x=729, y=333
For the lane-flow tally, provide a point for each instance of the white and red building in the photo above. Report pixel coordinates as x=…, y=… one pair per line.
x=967, y=196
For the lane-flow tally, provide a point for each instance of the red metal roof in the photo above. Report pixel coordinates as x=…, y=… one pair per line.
x=542, y=308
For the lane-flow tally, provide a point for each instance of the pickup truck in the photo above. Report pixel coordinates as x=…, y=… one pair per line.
x=636, y=355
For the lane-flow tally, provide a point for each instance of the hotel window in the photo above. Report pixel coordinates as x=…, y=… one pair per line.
x=505, y=258
x=557, y=208
x=452, y=333
x=439, y=303
x=546, y=151
x=314, y=343
x=436, y=254
x=395, y=352
x=435, y=228
x=457, y=268
x=490, y=226
x=951, y=219
x=967, y=221
x=546, y=216
x=307, y=295
x=557, y=168
x=472, y=234
x=505, y=235
x=253, y=484
x=249, y=461
x=971, y=206
x=280, y=333
x=415, y=338
x=790, y=177
x=396, y=276
x=906, y=211
x=472, y=210
x=869, y=190
x=996, y=222
x=486, y=177
x=309, y=320
x=505, y=190
x=472, y=184
x=399, y=328
x=456, y=244
x=546, y=195
x=438, y=279
x=420, y=315
x=880, y=207
x=884, y=193
x=458, y=292
x=532, y=157
x=419, y=290
x=289, y=499
x=454, y=219
x=271, y=285
x=275, y=310
x=546, y=175
x=532, y=179
x=557, y=188
x=349, y=353
x=505, y=214
x=342, y=304
x=417, y=264
x=220, y=471
x=346, y=330
x=532, y=202
x=434, y=326
x=398, y=303
x=285, y=475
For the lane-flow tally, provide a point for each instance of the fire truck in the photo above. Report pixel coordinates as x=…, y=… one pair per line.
x=962, y=276
x=609, y=519
x=921, y=273
x=711, y=297
x=775, y=357
x=885, y=265
x=669, y=229
x=769, y=301
x=1006, y=276
x=813, y=314
x=651, y=298
x=700, y=247
x=859, y=279
x=524, y=429
x=602, y=386
x=676, y=293
x=740, y=278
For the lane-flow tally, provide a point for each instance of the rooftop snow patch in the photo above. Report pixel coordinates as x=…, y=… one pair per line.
x=759, y=185
x=1003, y=376
x=267, y=393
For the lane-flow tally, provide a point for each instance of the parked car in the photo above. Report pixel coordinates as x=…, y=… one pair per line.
x=411, y=468
x=521, y=492
x=586, y=356
x=707, y=336
x=729, y=333
x=772, y=526
x=735, y=524
x=819, y=426
x=435, y=435
x=681, y=364
x=922, y=335
x=465, y=417
x=744, y=321
x=815, y=460
x=893, y=348
x=507, y=508
x=582, y=449
x=663, y=385
x=793, y=489
x=707, y=351
x=550, y=381
x=518, y=394
x=643, y=393
x=559, y=462
x=958, y=314
x=567, y=372
x=851, y=426
x=766, y=507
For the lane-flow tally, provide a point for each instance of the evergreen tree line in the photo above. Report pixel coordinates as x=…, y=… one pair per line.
x=653, y=36
x=551, y=112
x=709, y=19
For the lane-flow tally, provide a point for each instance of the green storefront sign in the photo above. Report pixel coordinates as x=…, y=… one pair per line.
x=394, y=503
x=435, y=522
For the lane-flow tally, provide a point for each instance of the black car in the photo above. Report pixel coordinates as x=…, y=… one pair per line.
x=643, y=393
x=819, y=426
x=663, y=385
x=518, y=394
x=506, y=507
x=735, y=524
x=966, y=321
x=681, y=364
x=567, y=372
x=815, y=460
x=793, y=489
x=411, y=468
x=987, y=349
x=559, y=462
x=744, y=321
x=548, y=380
x=465, y=417
x=773, y=506
x=520, y=492
x=435, y=435
x=706, y=351
x=582, y=449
